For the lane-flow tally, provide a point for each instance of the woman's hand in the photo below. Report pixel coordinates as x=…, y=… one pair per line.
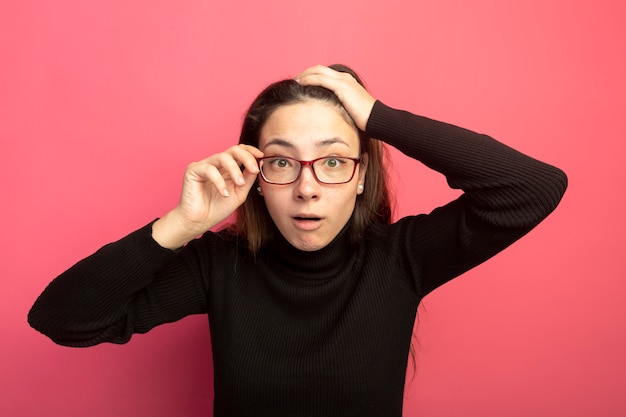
x=354, y=97
x=212, y=189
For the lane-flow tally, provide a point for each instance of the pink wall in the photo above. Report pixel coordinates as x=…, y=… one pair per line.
x=102, y=105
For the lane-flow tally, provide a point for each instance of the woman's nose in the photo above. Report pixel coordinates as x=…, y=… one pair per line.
x=307, y=186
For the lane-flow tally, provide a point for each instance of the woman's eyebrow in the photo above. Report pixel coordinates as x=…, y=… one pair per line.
x=279, y=142
x=320, y=144
x=331, y=141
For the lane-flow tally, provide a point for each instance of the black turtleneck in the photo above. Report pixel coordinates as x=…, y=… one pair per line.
x=316, y=265
x=323, y=333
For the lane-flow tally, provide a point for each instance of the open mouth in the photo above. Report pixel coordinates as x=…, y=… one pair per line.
x=307, y=222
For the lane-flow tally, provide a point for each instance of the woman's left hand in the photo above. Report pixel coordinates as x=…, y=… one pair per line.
x=354, y=97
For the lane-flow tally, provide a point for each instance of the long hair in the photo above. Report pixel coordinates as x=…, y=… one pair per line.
x=253, y=221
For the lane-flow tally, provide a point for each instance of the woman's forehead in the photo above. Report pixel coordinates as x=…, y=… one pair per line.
x=308, y=124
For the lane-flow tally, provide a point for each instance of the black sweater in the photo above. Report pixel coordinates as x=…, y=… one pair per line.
x=323, y=333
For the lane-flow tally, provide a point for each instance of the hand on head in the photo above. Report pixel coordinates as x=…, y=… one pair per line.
x=357, y=101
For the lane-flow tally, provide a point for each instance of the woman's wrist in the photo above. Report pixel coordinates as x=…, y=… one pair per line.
x=169, y=232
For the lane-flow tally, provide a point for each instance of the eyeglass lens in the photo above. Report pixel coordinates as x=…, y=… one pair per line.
x=329, y=170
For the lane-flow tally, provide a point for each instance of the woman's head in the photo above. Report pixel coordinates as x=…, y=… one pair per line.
x=298, y=112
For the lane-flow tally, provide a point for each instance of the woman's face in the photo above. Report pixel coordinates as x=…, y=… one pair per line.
x=307, y=213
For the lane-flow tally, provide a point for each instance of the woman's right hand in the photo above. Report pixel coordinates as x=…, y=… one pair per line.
x=212, y=189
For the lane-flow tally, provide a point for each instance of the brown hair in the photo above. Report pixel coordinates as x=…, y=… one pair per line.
x=253, y=221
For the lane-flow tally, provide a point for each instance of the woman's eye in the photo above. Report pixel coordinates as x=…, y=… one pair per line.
x=333, y=162
x=280, y=163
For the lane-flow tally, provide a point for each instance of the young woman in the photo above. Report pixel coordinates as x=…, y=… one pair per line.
x=311, y=295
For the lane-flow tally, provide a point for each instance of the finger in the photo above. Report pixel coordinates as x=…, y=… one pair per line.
x=229, y=163
x=318, y=70
x=246, y=156
x=226, y=163
x=205, y=173
x=357, y=101
x=325, y=77
x=256, y=152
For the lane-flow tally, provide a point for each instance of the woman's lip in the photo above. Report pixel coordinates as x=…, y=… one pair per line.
x=307, y=223
x=307, y=216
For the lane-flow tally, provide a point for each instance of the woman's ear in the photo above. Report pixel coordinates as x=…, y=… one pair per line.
x=362, y=172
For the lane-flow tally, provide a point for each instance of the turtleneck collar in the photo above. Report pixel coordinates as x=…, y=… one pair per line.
x=320, y=264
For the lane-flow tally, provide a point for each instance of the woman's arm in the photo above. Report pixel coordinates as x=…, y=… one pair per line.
x=126, y=287
x=505, y=185
x=138, y=282
x=506, y=194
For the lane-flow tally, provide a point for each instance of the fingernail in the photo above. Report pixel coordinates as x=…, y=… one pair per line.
x=225, y=193
x=241, y=181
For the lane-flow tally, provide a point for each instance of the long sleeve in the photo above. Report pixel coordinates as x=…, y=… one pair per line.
x=506, y=194
x=126, y=287
x=323, y=332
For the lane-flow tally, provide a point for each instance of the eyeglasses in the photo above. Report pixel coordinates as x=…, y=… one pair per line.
x=327, y=170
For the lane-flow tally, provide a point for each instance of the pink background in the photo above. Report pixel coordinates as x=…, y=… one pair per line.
x=103, y=104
